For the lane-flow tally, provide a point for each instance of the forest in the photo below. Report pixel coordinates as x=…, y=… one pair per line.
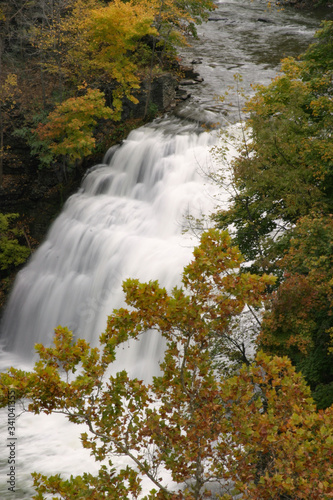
x=237, y=411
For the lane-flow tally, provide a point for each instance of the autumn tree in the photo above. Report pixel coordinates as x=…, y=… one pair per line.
x=69, y=130
x=114, y=35
x=86, y=42
x=190, y=318
x=299, y=320
x=114, y=43
x=55, y=32
x=280, y=443
x=281, y=184
x=255, y=432
x=49, y=39
x=68, y=43
x=21, y=53
x=96, y=43
x=13, y=245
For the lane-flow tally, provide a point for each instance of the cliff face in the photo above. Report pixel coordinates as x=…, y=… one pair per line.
x=162, y=95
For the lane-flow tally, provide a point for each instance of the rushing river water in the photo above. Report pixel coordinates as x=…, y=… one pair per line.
x=127, y=220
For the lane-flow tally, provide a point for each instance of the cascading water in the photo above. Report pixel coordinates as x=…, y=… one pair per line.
x=127, y=221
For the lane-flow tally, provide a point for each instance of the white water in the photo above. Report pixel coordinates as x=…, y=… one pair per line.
x=125, y=221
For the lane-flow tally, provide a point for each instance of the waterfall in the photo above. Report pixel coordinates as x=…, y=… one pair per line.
x=126, y=220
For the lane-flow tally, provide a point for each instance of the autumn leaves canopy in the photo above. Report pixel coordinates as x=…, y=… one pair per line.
x=91, y=55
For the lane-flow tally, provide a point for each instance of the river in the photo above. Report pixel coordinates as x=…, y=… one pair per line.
x=128, y=220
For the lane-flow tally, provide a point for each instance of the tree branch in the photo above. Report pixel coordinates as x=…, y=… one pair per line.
x=127, y=452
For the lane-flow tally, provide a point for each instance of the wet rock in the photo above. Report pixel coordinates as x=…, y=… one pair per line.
x=215, y=19
x=189, y=72
x=182, y=95
x=189, y=82
x=265, y=20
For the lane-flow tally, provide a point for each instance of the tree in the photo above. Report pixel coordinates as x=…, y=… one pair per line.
x=281, y=445
x=96, y=43
x=68, y=43
x=114, y=35
x=256, y=431
x=12, y=252
x=283, y=171
x=69, y=129
x=282, y=181
x=299, y=320
x=110, y=45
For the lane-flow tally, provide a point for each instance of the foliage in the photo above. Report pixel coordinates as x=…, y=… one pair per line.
x=256, y=432
x=114, y=34
x=8, y=90
x=69, y=129
x=299, y=321
x=206, y=420
x=282, y=198
x=107, y=45
x=53, y=35
x=258, y=429
x=12, y=252
x=101, y=43
x=318, y=57
x=181, y=422
x=281, y=444
x=57, y=46
x=98, y=43
x=284, y=170
x=38, y=147
x=175, y=21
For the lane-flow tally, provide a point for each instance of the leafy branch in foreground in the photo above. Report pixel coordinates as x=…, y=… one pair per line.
x=256, y=432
